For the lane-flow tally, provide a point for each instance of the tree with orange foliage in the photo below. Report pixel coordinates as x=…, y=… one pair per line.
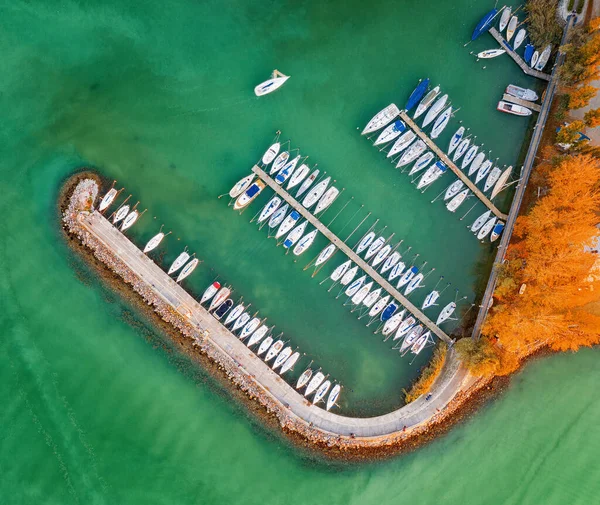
x=549, y=256
x=592, y=118
x=570, y=133
x=581, y=97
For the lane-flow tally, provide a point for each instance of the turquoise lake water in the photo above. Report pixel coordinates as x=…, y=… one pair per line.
x=96, y=407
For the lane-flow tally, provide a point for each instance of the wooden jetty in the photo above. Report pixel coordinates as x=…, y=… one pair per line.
x=511, y=52
x=341, y=245
x=513, y=99
x=450, y=164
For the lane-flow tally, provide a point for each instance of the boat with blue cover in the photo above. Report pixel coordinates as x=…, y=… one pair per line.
x=417, y=94
x=408, y=275
x=529, y=49
x=389, y=311
x=391, y=132
x=496, y=231
x=484, y=24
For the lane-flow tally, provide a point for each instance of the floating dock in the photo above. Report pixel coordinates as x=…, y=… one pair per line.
x=348, y=251
x=519, y=61
x=450, y=164
x=524, y=103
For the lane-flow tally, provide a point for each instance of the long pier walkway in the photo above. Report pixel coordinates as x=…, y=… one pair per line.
x=450, y=164
x=164, y=288
x=525, y=103
x=512, y=53
x=340, y=244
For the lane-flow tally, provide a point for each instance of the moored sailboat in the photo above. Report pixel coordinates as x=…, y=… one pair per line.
x=179, y=262
x=154, y=242
x=188, y=269
x=381, y=119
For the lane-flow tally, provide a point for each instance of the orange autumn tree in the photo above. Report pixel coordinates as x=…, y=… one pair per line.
x=549, y=255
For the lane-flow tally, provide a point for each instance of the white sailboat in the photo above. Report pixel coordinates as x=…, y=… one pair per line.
x=287, y=224
x=362, y=293
x=391, y=261
x=234, y=314
x=379, y=306
x=374, y=247
x=412, y=336
x=289, y=363
x=455, y=140
x=392, y=323
x=271, y=153
x=402, y=143
x=130, y=220
x=492, y=178
x=321, y=392
x=338, y=273
x=476, y=163
x=279, y=162
x=441, y=122
x=405, y=327
x=179, y=262
x=461, y=149
x=469, y=157
x=504, y=18
x=414, y=283
x=298, y=176
x=501, y=183
x=282, y=357
x=241, y=321
x=210, y=292
x=316, y=193
x=241, y=186
x=486, y=229
x=421, y=163
x=275, y=82
x=381, y=119
x=412, y=153
x=305, y=242
x=371, y=298
x=278, y=216
x=295, y=235
x=382, y=254
x=365, y=242
x=325, y=254
x=269, y=209
x=421, y=342
x=433, y=174
x=154, y=242
x=445, y=313
x=219, y=298
x=327, y=199
x=258, y=335
x=453, y=189
x=430, y=299
x=480, y=221
x=519, y=38
x=436, y=108
x=427, y=101
x=120, y=214
x=108, y=199
x=353, y=288
x=544, y=57
x=391, y=132
x=307, y=183
x=349, y=275
x=455, y=203
x=250, y=328
x=188, y=269
x=304, y=378
x=333, y=396
x=314, y=383
x=483, y=171
x=490, y=53
x=264, y=345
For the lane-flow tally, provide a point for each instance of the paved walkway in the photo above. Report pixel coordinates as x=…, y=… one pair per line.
x=167, y=289
x=348, y=251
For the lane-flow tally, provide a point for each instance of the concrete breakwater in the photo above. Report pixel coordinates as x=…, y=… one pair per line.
x=207, y=336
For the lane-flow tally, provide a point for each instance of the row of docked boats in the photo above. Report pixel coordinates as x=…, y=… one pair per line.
x=125, y=216
x=258, y=337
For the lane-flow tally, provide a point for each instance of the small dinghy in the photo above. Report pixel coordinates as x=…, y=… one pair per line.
x=316, y=193
x=483, y=171
x=337, y=274
x=362, y=293
x=287, y=224
x=512, y=27
x=307, y=183
x=321, y=392
x=397, y=270
x=432, y=175
x=455, y=203
x=427, y=101
x=325, y=254
x=304, y=378
x=154, y=242
x=420, y=344
x=513, y=108
x=445, y=313
x=381, y=119
x=436, y=108
x=392, y=323
x=282, y=357
x=241, y=186
x=327, y=199
x=484, y=24
x=469, y=157
x=534, y=59
x=453, y=189
x=379, y=306
x=305, y=242
x=504, y=19
x=210, y=292
x=120, y=214
x=219, y=298
x=405, y=327
x=455, y=140
x=298, y=176
x=314, y=383
x=414, y=283
x=480, y=221
x=441, y=122
x=333, y=396
x=430, y=299
x=412, y=153
x=264, y=345
x=520, y=37
x=374, y=247
x=421, y=163
x=349, y=275
x=490, y=53
x=476, y=163
x=391, y=261
x=402, y=143
x=234, y=314
x=279, y=162
x=289, y=363
x=501, y=184
x=382, y=254
x=529, y=49
x=486, y=228
x=544, y=57
x=522, y=93
x=249, y=195
x=497, y=231
x=365, y=242
x=258, y=335
x=391, y=132
x=271, y=153
x=108, y=199
x=250, y=327
x=241, y=321
x=188, y=269
x=461, y=149
x=275, y=82
x=353, y=288
x=223, y=309
x=278, y=216
x=492, y=178
x=269, y=209
x=179, y=262
x=389, y=311
x=407, y=276
x=417, y=94
x=295, y=235
x=412, y=336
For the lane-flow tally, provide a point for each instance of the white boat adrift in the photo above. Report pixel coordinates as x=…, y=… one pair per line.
x=277, y=80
